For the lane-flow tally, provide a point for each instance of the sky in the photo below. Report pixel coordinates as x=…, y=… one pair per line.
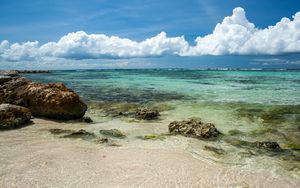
x=75, y=34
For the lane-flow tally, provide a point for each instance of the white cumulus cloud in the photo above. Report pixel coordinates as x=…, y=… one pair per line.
x=234, y=35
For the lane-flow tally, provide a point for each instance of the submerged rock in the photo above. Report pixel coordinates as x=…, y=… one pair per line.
x=218, y=151
x=80, y=134
x=113, y=133
x=12, y=116
x=152, y=137
x=281, y=113
x=272, y=146
x=295, y=147
x=194, y=128
x=146, y=114
x=107, y=141
x=45, y=100
x=235, y=132
x=249, y=113
x=87, y=119
x=60, y=131
x=266, y=145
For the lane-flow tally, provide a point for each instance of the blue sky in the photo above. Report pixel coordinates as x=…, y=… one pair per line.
x=49, y=20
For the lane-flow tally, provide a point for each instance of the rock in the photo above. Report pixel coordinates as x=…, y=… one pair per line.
x=270, y=146
x=11, y=73
x=107, y=141
x=4, y=79
x=113, y=133
x=194, y=128
x=235, y=132
x=80, y=134
x=54, y=101
x=13, y=91
x=266, y=145
x=152, y=137
x=293, y=146
x=218, y=151
x=60, y=131
x=12, y=116
x=33, y=71
x=44, y=100
x=146, y=114
x=87, y=119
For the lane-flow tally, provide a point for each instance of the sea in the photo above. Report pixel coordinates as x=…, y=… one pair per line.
x=246, y=105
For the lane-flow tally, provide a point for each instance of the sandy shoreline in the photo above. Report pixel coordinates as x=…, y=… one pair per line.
x=32, y=157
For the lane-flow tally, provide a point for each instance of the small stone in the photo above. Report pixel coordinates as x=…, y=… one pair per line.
x=112, y=133
x=87, y=119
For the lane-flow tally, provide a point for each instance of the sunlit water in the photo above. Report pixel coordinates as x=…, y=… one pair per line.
x=244, y=105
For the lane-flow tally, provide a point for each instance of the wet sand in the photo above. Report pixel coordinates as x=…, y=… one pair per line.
x=32, y=157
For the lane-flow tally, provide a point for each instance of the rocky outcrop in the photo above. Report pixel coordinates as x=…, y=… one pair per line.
x=33, y=71
x=12, y=116
x=44, y=100
x=146, y=114
x=194, y=128
x=10, y=73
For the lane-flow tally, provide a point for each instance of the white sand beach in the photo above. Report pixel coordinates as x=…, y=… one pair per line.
x=32, y=157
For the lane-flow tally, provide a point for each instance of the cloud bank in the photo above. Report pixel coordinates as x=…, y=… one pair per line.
x=234, y=35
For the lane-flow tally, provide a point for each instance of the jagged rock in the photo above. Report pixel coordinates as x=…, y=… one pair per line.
x=44, y=100
x=194, y=128
x=146, y=114
x=13, y=91
x=113, y=133
x=12, y=116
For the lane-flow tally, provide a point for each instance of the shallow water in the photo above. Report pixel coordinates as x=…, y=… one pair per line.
x=244, y=105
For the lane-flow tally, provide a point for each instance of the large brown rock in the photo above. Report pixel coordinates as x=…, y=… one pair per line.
x=53, y=101
x=12, y=116
x=44, y=100
x=194, y=128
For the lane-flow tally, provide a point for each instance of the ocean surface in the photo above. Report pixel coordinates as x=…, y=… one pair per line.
x=245, y=105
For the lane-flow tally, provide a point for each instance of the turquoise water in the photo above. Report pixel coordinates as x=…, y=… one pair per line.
x=264, y=87
x=244, y=105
